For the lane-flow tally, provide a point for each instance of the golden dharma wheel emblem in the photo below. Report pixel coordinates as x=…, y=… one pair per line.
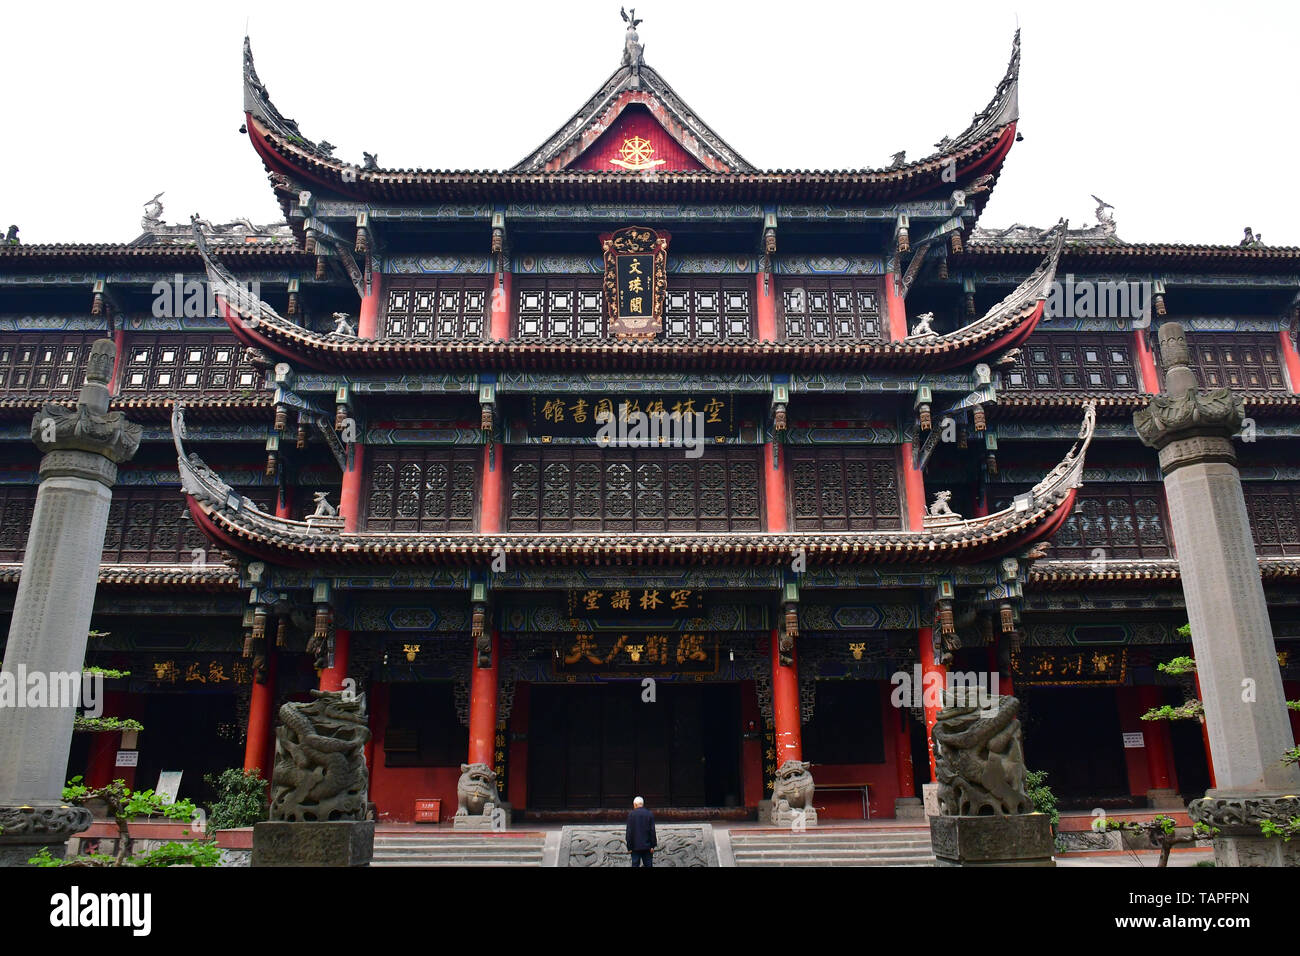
x=636, y=154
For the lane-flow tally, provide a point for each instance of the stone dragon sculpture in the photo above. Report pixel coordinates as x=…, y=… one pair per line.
x=320, y=762
x=979, y=762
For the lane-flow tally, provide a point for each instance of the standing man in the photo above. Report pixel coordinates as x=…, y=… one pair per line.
x=641, y=834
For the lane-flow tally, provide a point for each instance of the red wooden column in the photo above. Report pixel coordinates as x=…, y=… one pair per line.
x=1150, y=380
x=914, y=492
x=499, y=318
x=925, y=648
x=785, y=705
x=332, y=678
x=774, y=458
x=1155, y=734
x=1290, y=358
x=895, y=309
x=1205, y=738
x=119, y=358
x=258, y=742
x=350, y=495
x=903, y=757
x=483, y=707
x=371, y=307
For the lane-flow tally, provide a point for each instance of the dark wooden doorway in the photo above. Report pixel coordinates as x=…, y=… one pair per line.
x=599, y=745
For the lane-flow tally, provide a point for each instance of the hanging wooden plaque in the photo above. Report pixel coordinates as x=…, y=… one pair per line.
x=636, y=281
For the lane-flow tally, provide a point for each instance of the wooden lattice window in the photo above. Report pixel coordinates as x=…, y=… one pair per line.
x=829, y=310
x=427, y=489
x=563, y=307
x=45, y=364
x=17, y=502
x=586, y=489
x=437, y=307
x=708, y=309
x=1274, y=507
x=1110, y=522
x=844, y=488
x=152, y=525
x=1069, y=362
x=186, y=362
x=1241, y=360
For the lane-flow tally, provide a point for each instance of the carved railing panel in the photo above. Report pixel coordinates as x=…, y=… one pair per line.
x=829, y=310
x=1246, y=361
x=1274, y=509
x=586, y=489
x=35, y=364
x=422, y=489
x=1067, y=362
x=844, y=488
x=1110, y=522
x=186, y=362
x=441, y=308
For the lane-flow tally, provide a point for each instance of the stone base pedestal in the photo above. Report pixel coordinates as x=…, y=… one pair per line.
x=788, y=818
x=1165, y=800
x=492, y=818
x=1237, y=818
x=339, y=843
x=1255, y=851
x=930, y=799
x=28, y=830
x=909, y=808
x=1021, y=840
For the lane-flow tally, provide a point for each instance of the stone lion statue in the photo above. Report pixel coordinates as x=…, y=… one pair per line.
x=792, y=794
x=320, y=762
x=476, y=790
x=979, y=762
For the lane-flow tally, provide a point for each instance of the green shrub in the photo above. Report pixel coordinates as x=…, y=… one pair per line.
x=1041, y=794
x=241, y=799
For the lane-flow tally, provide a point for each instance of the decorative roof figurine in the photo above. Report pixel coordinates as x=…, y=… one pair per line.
x=633, y=49
x=11, y=237
x=152, y=219
x=1105, y=216
x=1252, y=239
x=922, y=328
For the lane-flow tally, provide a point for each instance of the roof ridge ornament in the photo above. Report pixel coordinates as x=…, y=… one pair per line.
x=633, y=48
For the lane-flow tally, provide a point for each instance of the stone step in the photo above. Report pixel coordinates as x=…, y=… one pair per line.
x=455, y=861
x=454, y=851
x=831, y=851
x=796, y=861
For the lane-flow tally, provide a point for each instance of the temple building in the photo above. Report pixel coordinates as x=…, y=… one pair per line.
x=636, y=469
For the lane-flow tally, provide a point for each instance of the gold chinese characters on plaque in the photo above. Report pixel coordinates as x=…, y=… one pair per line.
x=636, y=281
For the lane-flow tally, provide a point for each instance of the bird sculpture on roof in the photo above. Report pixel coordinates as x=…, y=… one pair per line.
x=633, y=49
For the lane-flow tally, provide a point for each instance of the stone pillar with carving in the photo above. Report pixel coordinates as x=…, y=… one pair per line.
x=1236, y=659
x=56, y=594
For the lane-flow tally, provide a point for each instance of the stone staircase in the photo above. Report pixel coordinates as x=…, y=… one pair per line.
x=420, y=847
x=826, y=846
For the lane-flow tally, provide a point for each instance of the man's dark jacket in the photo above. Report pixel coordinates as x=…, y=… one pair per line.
x=641, y=830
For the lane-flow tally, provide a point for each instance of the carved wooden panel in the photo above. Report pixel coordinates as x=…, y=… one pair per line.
x=709, y=309
x=437, y=307
x=422, y=489
x=1068, y=362
x=562, y=307
x=843, y=488
x=186, y=362
x=1274, y=509
x=843, y=309
x=586, y=489
x=1241, y=360
x=41, y=364
x=17, y=502
x=1111, y=521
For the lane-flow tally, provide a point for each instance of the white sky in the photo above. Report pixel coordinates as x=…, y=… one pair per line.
x=1182, y=115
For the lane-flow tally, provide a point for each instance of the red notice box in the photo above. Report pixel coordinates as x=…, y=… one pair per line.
x=428, y=811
